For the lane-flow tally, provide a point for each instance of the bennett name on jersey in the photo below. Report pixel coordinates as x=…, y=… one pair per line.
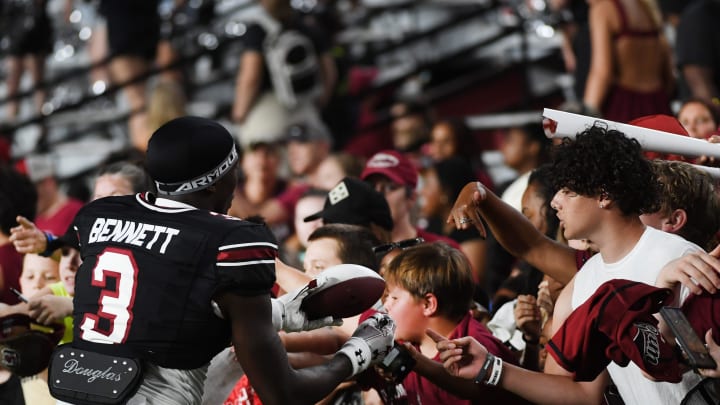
x=131, y=232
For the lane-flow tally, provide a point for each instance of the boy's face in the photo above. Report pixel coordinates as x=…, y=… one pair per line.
x=578, y=214
x=37, y=272
x=69, y=263
x=407, y=311
x=320, y=254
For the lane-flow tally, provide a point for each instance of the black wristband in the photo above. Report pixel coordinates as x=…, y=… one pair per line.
x=535, y=341
x=480, y=378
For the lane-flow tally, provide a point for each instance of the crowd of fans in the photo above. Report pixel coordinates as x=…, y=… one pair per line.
x=484, y=278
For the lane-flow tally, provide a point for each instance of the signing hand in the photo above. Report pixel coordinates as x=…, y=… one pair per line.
x=48, y=309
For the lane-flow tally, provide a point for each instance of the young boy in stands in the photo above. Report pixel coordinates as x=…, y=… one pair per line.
x=431, y=286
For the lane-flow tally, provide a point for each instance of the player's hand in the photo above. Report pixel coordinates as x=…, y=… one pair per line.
x=714, y=351
x=288, y=316
x=698, y=271
x=461, y=357
x=27, y=238
x=370, y=342
x=465, y=210
x=48, y=309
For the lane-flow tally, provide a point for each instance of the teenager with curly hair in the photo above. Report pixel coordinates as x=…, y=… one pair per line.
x=604, y=185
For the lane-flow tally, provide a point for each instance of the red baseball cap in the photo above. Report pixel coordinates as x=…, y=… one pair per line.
x=660, y=122
x=393, y=165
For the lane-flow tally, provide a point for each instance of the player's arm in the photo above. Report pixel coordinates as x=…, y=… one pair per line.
x=263, y=358
x=514, y=232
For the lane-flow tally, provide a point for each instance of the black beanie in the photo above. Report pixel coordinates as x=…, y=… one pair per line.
x=189, y=154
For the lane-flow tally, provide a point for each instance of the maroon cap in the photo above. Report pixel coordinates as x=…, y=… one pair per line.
x=393, y=165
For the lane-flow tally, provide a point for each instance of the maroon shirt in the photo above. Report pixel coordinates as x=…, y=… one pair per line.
x=11, y=266
x=422, y=391
x=58, y=223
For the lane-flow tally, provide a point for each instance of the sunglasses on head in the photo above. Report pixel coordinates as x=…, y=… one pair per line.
x=403, y=244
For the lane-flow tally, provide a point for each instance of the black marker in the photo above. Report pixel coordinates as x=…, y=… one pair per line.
x=19, y=295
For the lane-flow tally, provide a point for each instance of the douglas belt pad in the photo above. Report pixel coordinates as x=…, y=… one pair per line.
x=84, y=377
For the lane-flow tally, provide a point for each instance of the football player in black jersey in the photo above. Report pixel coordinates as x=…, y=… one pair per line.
x=169, y=281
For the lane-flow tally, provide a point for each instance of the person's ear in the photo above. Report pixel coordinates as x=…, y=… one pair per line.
x=604, y=201
x=675, y=221
x=430, y=304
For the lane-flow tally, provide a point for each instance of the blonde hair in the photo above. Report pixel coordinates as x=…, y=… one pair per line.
x=167, y=102
x=692, y=190
x=435, y=268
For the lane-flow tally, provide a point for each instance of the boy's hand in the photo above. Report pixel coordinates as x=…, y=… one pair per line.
x=461, y=357
x=48, y=309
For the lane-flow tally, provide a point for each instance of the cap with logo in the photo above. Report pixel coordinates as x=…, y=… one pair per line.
x=393, y=165
x=354, y=202
x=305, y=133
x=189, y=154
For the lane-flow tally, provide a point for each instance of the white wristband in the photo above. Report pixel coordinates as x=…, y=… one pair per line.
x=359, y=353
x=496, y=372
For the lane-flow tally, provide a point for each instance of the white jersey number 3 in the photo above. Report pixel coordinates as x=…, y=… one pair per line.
x=114, y=305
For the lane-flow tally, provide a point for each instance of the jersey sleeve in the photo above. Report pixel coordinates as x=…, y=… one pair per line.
x=254, y=37
x=245, y=261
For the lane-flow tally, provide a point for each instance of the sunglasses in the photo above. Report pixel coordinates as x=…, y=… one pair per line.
x=403, y=244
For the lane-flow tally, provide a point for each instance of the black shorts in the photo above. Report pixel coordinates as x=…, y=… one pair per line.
x=133, y=27
x=33, y=40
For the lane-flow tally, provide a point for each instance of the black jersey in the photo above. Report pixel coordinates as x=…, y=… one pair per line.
x=149, y=273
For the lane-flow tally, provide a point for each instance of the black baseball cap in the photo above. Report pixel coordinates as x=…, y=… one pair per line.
x=354, y=202
x=305, y=133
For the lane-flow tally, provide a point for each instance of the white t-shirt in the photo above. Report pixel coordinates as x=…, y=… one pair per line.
x=652, y=252
x=514, y=192
x=502, y=325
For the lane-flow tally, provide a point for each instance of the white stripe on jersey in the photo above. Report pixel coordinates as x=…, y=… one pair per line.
x=227, y=264
x=251, y=244
x=171, y=209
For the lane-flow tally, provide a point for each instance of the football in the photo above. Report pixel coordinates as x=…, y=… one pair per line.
x=344, y=290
